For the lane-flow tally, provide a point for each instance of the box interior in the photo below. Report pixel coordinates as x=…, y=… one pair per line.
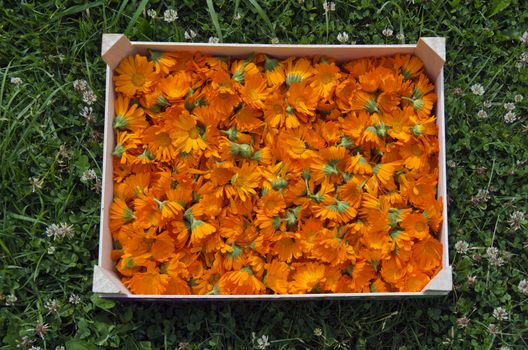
x=117, y=46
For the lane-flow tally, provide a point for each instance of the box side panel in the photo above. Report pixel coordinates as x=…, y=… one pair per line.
x=105, y=238
x=442, y=282
x=262, y=297
x=432, y=52
x=340, y=53
x=442, y=177
x=114, y=48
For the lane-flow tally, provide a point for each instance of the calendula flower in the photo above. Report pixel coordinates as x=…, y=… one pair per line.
x=242, y=281
x=307, y=278
x=128, y=116
x=297, y=71
x=135, y=75
x=302, y=98
x=149, y=282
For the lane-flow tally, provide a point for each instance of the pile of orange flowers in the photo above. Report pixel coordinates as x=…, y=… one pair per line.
x=259, y=175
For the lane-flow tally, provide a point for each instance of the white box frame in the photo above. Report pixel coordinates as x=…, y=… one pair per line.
x=115, y=47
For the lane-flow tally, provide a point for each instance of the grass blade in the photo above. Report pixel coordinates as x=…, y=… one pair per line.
x=135, y=16
x=263, y=15
x=80, y=8
x=214, y=18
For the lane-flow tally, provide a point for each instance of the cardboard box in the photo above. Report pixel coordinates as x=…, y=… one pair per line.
x=115, y=47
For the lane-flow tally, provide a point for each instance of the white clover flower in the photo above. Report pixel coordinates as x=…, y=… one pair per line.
x=10, y=300
x=342, y=37
x=518, y=98
x=74, y=299
x=88, y=175
x=213, y=40
x=89, y=97
x=152, y=13
x=190, y=34
x=170, y=15
x=500, y=314
x=451, y=163
x=237, y=17
x=61, y=230
x=524, y=38
x=16, y=81
x=51, y=250
x=400, y=36
x=387, y=32
x=25, y=342
x=80, y=85
x=477, y=89
x=492, y=252
x=318, y=332
x=52, y=306
x=87, y=113
x=461, y=247
x=263, y=342
x=493, y=328
x=524, y=58
x=275, y=40
x=510, y=106
x=510, y=117
x=482, y=196
x=523, y=287
x=487, y=104
x=482, y=114
x=36, y=183
x=41, y=329
x=462, y=322
x=329, y=6
x=515, y=220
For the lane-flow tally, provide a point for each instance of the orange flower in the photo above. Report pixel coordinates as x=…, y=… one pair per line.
x=325, y=79
x=128, y=117
x=427, y=254
x=302, y=98
x=362, y=274
x=254, y=91
x=274, y=71
x=186, y=134
x=330, y=164
x=416, y=226
x=244, y=182
x=150, y=282
x=240, y=282
x=277, y=276
x=409, y=66
x=160, y=142
x=176, y=86
x=288, y=247
x=298, y=72
x=307, y=278
x=136, y=75
x=126, y=144
x=120, y=214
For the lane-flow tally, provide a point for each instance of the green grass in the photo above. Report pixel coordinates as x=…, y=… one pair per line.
x=50, y=44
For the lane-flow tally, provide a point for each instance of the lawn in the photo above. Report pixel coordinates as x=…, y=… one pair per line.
x=51, y=153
